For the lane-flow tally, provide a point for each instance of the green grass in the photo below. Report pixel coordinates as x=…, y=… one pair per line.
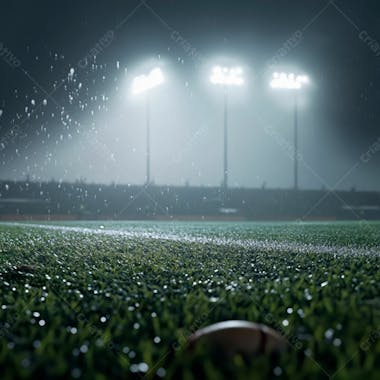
x=101, y=306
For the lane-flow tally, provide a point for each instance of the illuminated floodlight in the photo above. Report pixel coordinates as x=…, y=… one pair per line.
x=227, y=76
x=143, y=83
x=288, y=81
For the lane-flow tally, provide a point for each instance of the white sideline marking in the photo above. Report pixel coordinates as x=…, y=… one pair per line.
x=262, y=245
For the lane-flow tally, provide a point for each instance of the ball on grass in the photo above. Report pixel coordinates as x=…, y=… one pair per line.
x=239, y=337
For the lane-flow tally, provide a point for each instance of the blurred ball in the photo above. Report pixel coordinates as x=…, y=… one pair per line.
x=239, y=337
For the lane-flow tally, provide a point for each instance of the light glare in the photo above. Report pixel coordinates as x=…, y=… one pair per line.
x=143, y=83
x=288, y=81
x=227, y=76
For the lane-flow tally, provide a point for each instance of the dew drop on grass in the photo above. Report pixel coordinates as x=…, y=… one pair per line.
x=308, y=295
x=329, y=333
x=99, y=342
x=161, y=372
x=25, y=363
x=337, y=342
x=143, y=367
x=84, y=348
x=132, y=355
x=76, y=373
x=75, y=352
x=301, y=313
x=277, y=371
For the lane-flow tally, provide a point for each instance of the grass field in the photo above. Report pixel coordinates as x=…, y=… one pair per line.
x=118, y=300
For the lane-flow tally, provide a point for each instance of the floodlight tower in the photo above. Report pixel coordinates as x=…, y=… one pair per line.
x=226, y=77
x=284, y=81
x=144, y=84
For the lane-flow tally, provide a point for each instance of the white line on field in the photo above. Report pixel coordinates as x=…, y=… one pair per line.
x=261, y=245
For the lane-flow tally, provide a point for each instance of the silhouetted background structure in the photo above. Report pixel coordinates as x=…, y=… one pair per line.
x=54, y=200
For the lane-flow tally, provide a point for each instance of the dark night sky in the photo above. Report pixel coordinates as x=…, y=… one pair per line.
x=50, y=37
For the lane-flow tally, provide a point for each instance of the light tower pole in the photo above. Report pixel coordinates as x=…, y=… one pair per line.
x=226, y=77
x=144, y=84
x=284, y=81
x=225, y=171
x=147, y=111
x=295, y=141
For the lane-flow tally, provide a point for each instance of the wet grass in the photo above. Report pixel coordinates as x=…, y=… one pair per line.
x=77, y=304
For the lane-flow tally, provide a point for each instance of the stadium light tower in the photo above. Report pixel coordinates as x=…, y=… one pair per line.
x=226, y=77
x=284, y=81
x=144, y=84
